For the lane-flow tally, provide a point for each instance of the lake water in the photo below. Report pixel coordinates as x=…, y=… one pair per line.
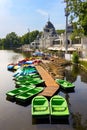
x=18, y=117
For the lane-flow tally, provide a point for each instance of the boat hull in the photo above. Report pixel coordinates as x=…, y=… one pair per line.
x=24, y=97
x=40, y=107
x=58, y=107
x=65, y=84
x=11, y=94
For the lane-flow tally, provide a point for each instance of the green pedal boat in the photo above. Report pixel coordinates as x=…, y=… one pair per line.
x=40, y=106
x=58, y=106
x=34, y=81
x=29, y=94
x=65, y=84
x=13, y=93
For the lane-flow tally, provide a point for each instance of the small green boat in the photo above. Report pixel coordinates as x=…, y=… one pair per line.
x=17, y=91
x=34, y=81
x=29, y=94
x=26, y=77
x=58, y=106
x=65, y=84
x=40, y=106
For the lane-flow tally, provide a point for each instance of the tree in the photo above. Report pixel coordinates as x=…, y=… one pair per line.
x=78, y=16
x=29, y=37
x=2, y=42
x=33, y=35
x=60, y=31
x=12, y=40
x=24, y=39
x=75, y=57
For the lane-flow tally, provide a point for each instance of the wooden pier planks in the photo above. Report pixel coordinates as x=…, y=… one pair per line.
x=51, y=85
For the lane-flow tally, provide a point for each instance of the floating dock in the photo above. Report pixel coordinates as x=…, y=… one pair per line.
x=51, y=86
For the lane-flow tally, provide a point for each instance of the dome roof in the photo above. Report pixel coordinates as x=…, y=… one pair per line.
x=49, y=29
x=49, y=25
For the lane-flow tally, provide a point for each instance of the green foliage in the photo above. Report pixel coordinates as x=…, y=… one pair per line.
x=25, y=39
x=75, y=70
x=75, y=57
x=84, y=63
x=33, y=35
x=2, y=42
x=29, y=37
x=78, y=31
x=11, y=40
x=78, y=14
x=60, y=31
x=14, y=41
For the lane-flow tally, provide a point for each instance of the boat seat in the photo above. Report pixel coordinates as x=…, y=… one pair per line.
x=40, y=102
x=20, y=90
x=29, y=93
x=57, y=99
x=40, y=99
x=40, y=108
x=57, y=102
x=58, y=108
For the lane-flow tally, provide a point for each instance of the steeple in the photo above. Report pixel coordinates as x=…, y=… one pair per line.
x=48, y=18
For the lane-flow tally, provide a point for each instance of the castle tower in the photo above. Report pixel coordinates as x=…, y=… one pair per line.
x=48, y=36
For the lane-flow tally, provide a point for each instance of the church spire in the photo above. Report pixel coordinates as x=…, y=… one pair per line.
x=48, y=17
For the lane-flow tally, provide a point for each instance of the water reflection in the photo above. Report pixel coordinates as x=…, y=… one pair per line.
x=72, y=72
x=41, y=120
x=60, y=120
x=25, y=104
x=18, y=102
x=67, y=99
x=78, y=124
x=83, y=76
x=10, y=99
x=20, y=115
x=68, y=90
x=50, y=120
x=14, y=58
x=76, y=75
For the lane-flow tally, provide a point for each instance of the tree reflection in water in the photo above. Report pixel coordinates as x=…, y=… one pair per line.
x=73, y=71
x=77, y=122
x=71, y=74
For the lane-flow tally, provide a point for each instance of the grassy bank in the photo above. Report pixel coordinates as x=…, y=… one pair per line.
x=83, y=63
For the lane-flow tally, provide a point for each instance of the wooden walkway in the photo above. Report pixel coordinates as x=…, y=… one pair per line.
x=51, y=85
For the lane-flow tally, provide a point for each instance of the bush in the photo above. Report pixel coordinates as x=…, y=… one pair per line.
x=75, y=57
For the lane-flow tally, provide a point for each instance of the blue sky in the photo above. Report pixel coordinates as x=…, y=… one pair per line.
x=19, y=15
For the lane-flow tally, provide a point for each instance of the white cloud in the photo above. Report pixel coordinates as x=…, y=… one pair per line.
x=42, y=12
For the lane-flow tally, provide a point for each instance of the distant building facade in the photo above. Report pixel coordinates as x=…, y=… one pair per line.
x=51, y=40
x=48, y=38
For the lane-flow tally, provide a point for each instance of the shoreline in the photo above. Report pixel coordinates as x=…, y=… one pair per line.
x=55, y=67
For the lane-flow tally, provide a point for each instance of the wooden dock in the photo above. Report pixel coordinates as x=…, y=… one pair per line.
x=51, y=86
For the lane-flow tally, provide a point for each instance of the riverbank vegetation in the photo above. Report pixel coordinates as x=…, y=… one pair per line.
x=84, y=63
x=78, y=17
x=12, y=40
x=55, y=66
x=75, y=58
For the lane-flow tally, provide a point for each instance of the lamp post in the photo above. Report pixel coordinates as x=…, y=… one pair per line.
x=66, y=30
x=28, y=35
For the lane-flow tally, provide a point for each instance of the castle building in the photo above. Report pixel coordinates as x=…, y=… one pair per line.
x=52, y=41
x=48, y=38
